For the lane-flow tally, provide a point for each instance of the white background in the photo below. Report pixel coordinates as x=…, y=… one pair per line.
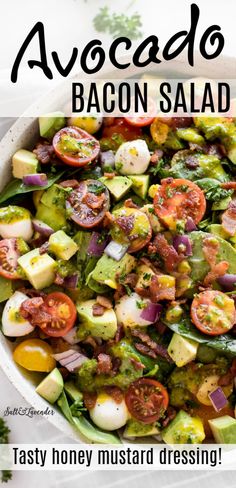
x=68, y=23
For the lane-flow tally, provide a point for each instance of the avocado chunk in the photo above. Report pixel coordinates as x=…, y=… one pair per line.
x=218, y=230
x=55, y=196
x=72, y=391
x=140, y=184
x=39, y=268
x=117, y=186
x=104, y=326
x=49, y=124
x=24, y=163
x=138, y=429
x=224, y=429
x=52, y=217
x=182, y=350
x=107, y=269
x=184, y=429
x=6, y=289
x=190, y=135
x=51, y=387
x=62, y=245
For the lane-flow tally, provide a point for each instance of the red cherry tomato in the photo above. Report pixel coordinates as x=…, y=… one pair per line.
x=147, y=400
x=142, y=121
x=88, y=203
x=178, y=199
x=62, y=312
x=9, y=255
x=75, y=146
x=213, y=312
x=121, y=127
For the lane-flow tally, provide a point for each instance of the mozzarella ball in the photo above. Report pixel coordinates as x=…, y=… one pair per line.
x=132, y=158
x=107, y=414
x=129, y=309
x=90, y=124
x=13, y=324
x=15, y=222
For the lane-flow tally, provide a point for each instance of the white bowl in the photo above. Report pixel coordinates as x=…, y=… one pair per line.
x=24, y=134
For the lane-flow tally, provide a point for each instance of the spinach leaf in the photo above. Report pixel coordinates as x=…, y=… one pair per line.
x=16, y=187
x=223, y=343
x=213, y=190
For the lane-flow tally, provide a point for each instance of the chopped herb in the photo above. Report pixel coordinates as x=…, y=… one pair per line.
x=141, y=304
x=118, y=24
x=119, y=166
x=96, y=189
x=147, y=276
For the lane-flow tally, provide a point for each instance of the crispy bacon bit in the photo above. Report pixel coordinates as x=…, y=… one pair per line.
x=170, y=415
x=166, y=251
x=210, y=251
x=131, y=279
x=109, y=176
x=58, y=280
x=130, y=204
x=108, y=219
x=69, y=184
x=229, y=219
x=126, y=223
x=104, y=365
x=104, y=302
x=153, y=346
x=98, y=310
x=32, y=310
x=137, y=364
x=116, y=362
x=115, y=393
x=119, y=333
x=64, y=372
x=145, y=350
x=159, y=292
x=227, y=378
x=44, y=152
x=94, y=201
x=161, y=328
x=229, y=185
x=44, y=248
x=215, y=150
x=156, y=156
x=91, y=342
x=89, y=400
x=191, y=161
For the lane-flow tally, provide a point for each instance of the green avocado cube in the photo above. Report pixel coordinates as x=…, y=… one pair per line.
x=182, y=350
x=49, y=124
x=224, y=429
x=53, y=217
x=62, y=245
x=55, y=196
x=107, y=269
x=51, y=387
x=38, y=268
x=140, y=184
x=103, y=326
x=184, y=429
x=117, y=186
x=218, y=230
x=24, y=163
x=134, y=428
x=6, y=289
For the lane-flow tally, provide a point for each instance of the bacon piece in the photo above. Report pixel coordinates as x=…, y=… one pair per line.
x=69, y=184
x=166, y=251
x=159, y=292
x=229, y=219
x=119, y=333
x=156, y=156
x=145, y=350
x=130, y=204
x=89, y=400
x=104, y=365
x=125, y=223
x=98, y=310
x=58, y=280
x=219, y=270
x=229, y=185
x=131, y=279
x=94, y=201
x=170, y=415
x=44, y=248
x=137, y=364
x=109, y=176
x=33, y=310
x=44, y=152
x=210, y=250
x=115, y=393
x=104, y=302
x=152, y=345
x=161, y=328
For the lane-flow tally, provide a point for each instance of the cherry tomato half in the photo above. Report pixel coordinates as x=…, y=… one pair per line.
x=178, y=199
x=142, y=121
x=120, y=126
x=147, y=400
x=8, y=258
x=75, y=146
x=131, y=226
x=62, y=312
x=88, y=203
x=213, y=312
x=34, y=355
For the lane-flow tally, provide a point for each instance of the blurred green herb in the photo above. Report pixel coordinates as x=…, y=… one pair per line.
x=118, y=24
x=4, y=432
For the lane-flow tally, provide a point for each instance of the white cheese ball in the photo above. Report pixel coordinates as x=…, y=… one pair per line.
x=13, y=324
x=107, y=414
x=132, y=158
x=129, y=309
x=15, y=222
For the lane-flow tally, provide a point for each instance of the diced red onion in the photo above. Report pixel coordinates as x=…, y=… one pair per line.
x=107, y=158
x=37, y=179
x=152, y=312
x=115, y=250
x=95, y=247
x=71, y=337
x=42, y=228
x=183, y=244
x=71, y=281
x=218, y=399
x=190, y=225
x=71, y=359
x=227, y=281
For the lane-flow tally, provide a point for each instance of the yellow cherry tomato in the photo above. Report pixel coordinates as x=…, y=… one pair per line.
x=34, y=355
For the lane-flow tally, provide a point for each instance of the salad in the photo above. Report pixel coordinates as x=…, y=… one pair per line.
x=118, y=274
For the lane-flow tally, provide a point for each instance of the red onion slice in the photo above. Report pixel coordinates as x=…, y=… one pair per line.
x=227, y=281
x=218, y=399
x=71, y=359
x=190, y=225
x=115, y=250
x=37, y=179
x=71, y=337
x=71, y=281
x=182, y=244
x=152, y=312
x=42, y=228
x=107, y=158
x=96, y=245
